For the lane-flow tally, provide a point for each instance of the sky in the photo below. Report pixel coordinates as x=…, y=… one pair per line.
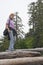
x=11, y=6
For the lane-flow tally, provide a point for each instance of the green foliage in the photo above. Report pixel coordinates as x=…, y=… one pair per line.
x=36, y=20
x=5, y=44
x=24, y=43
x=29, y=42
x=20, y=44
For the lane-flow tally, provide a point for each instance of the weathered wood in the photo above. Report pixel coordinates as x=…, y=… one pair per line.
x=33, y=49
x=18, y=53
x=20, y=61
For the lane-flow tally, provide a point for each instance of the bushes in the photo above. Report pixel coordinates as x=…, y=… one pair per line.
x=24, y=43
x=20, y=43
x=5, y=43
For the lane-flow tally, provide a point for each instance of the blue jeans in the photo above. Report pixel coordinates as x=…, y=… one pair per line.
x=12, y=41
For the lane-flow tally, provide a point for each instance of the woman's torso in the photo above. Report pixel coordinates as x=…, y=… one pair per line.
x=10, y=23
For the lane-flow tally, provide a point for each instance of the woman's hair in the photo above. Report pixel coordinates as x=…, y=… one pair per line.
x=12, y=14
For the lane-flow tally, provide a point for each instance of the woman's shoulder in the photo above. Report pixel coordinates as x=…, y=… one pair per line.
x=8, y=20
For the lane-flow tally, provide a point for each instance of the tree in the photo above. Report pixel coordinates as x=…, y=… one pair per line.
x=36, y=20
x=18, y=25
x=32, y=18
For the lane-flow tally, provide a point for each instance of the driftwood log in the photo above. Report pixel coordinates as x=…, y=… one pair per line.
x=18, y=53
x=33, y=49
x=23, y=61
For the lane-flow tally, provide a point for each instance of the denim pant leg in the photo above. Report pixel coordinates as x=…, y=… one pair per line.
x=12, y=41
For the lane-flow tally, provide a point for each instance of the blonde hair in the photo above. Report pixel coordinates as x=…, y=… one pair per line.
x=12, y=14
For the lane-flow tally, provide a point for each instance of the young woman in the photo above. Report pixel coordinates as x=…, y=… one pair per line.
x=10, y=27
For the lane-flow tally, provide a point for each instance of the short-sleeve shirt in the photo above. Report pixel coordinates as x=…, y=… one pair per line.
x=11, y=23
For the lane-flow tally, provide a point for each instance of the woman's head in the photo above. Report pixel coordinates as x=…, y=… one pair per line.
x=11, y=16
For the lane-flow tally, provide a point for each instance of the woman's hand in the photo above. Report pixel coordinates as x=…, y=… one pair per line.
x=9, y=30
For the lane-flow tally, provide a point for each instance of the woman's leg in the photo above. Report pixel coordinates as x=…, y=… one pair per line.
x=12, y=41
